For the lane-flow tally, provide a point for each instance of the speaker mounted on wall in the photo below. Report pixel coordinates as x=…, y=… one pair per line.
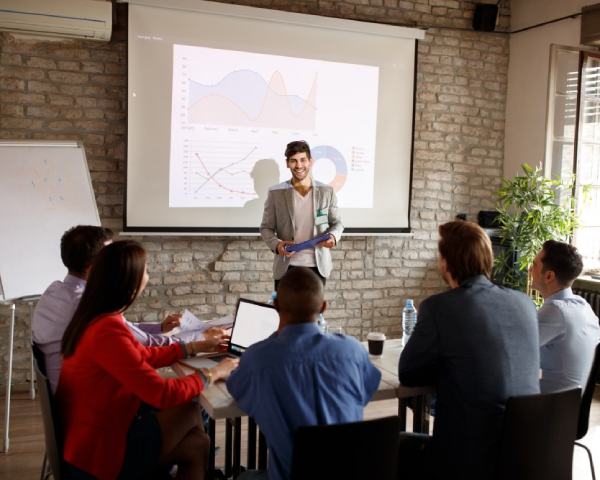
x=485, y=17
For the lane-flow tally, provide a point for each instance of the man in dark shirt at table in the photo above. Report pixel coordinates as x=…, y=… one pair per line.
x=478, y=344
x=300, y=376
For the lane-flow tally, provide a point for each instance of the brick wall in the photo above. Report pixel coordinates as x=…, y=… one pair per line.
x=77, y=90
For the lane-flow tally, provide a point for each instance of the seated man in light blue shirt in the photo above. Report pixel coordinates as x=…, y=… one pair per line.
x=569, y=330
x=300, y=376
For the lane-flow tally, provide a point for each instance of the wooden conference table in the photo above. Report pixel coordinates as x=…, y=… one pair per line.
x=218, y=404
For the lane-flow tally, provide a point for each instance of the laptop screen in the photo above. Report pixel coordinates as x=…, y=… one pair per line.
x=253, y=322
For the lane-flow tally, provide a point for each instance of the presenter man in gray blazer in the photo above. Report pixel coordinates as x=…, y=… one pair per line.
x=298, y=210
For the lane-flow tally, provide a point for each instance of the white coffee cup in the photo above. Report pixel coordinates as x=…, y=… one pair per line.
x=375, y=341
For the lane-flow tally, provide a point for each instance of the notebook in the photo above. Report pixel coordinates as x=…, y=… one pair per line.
x=253, y=322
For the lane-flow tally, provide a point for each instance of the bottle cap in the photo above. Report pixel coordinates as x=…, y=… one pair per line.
x=409, y=302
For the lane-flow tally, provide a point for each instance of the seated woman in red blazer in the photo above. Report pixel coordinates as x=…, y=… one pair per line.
x=120, y=418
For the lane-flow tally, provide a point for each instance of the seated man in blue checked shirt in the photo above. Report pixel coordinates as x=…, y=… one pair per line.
x=300, y=376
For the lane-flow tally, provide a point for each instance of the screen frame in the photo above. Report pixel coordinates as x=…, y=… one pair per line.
x=240, y=349
x=278, y=16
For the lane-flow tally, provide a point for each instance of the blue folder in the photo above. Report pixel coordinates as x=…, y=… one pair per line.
x=312, y=243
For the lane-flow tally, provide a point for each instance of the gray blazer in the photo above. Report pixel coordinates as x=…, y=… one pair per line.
x=478, y=344
x=278, y=223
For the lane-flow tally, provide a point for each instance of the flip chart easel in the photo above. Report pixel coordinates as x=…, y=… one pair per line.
x=45, y=188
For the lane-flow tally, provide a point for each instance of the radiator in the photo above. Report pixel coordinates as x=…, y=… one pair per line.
x=593, y=298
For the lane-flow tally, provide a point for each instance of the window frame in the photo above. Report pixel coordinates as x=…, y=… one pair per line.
x=552, y=139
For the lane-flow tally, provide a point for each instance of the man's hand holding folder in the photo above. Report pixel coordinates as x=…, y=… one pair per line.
x=320, y=241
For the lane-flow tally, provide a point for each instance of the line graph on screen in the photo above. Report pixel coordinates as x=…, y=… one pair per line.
x=214, y=172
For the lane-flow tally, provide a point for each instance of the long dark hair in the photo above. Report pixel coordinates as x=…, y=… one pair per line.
x=113, y=283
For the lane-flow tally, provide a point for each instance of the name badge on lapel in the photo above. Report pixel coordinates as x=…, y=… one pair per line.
x=322, y=216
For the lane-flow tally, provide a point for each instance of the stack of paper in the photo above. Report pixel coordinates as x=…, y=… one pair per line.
x=191, y=328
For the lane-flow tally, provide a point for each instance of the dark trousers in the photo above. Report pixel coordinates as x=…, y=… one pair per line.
x=415, y=457
x=314, y=269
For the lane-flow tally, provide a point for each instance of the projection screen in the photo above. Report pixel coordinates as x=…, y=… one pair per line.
x=216, y=91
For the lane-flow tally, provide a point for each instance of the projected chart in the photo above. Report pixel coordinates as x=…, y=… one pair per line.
x=339, y=162
x=231, y=109
x=217, y=174
x=244, y=98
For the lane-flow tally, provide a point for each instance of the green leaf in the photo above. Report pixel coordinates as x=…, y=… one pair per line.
x=531, y=209
x=527, y=168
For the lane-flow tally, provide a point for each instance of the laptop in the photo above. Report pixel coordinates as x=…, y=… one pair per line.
x=253, y=322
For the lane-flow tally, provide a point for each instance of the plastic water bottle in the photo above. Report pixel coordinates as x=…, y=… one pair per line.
x=271, y=300
x=409, y=320
x=322, y=323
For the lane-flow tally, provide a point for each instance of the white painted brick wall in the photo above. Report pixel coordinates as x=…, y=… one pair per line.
x=78, y=90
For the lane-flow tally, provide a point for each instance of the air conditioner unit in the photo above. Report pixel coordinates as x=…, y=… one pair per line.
x=90, y=19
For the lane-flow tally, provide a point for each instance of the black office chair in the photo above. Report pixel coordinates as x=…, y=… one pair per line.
x=52, y=464
x=361, y=450
x=586, y=403
x=538, y=435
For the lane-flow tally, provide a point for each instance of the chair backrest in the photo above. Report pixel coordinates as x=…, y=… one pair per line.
x=39, y=358
x=52, y=434
x=538, y=435
x=360, y=450
x=588, y=395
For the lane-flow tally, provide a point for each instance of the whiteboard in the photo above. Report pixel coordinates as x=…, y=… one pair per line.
x=45, y=189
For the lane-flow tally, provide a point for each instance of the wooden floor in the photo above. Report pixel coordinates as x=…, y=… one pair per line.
x=24, y=459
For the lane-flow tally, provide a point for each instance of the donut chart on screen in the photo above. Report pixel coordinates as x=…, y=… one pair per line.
x=327, y=152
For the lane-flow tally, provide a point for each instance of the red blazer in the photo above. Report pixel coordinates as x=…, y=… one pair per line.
x=101, y=387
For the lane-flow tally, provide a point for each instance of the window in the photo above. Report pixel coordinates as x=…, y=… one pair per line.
x=573, y=139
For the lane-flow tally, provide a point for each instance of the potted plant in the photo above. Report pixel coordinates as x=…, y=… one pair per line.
x=531, y=209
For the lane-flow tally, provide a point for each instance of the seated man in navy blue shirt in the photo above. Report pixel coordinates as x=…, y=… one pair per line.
x=300, y=376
